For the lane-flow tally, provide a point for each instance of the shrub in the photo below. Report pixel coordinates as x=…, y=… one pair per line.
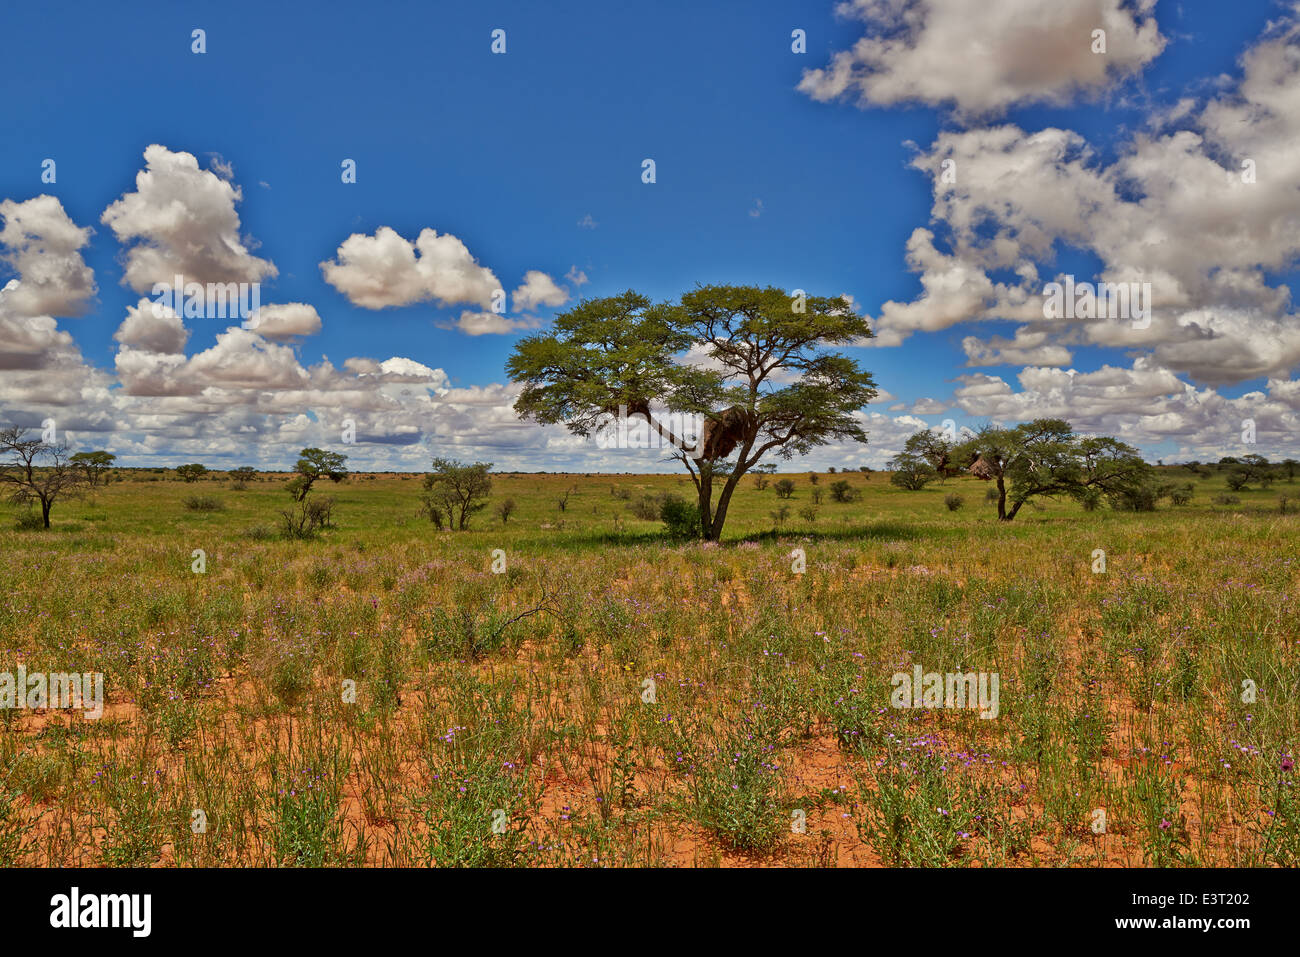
x=912, y=475
x=842, y=491
x=203, y=503
x=1139, y=498
x=506, y=509
x=646, y=508
x=321, y=511
x=1222, y=499
x=953, y=501
x=784, y=488
x=307, y=519
x=1182, y=495
x=991, y=496
x=809, y=514
x=780, y=515
x=680, y=517
x=1238, y=480
x=30, y=521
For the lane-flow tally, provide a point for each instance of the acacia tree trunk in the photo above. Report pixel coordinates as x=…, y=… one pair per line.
x=733, y=480
x=706, y=500
x=45, y=511
x=724, y=501
x=1002, y=501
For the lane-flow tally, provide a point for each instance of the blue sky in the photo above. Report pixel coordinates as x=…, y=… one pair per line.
x=763, y=175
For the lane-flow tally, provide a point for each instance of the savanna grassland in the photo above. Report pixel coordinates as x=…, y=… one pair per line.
x=519, y=700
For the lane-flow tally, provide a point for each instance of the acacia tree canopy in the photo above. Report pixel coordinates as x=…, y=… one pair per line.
x=94, y=465
x=769, y=386
x=314, y=464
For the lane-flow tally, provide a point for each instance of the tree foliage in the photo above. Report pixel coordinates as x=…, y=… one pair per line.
x=314, y=464
x=452, y=492
x=94, y=466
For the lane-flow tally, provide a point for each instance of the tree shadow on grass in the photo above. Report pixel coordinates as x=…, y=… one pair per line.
x=885, y=531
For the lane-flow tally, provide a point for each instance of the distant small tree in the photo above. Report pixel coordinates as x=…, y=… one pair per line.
x=784, y=488
x=452, y=492
x=506, y=509
x=934, y=449
x=39, y=471
x=192, y=472
x=1258, y=469
x=1238, y=479
x=94, y=466
x=315, y=464
x=245, y=473
x=909, y=471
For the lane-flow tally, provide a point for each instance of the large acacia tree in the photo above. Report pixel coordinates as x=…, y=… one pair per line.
x=762, y=377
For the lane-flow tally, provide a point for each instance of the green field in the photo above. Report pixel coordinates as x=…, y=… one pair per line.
x=614, y=698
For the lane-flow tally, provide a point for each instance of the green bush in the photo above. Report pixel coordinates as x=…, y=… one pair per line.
x=842, y=491
x=680, y=517
x=29, y=521
x=203, y=503
x=1238, y=480
x=647, y=507
x=1140, y=498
